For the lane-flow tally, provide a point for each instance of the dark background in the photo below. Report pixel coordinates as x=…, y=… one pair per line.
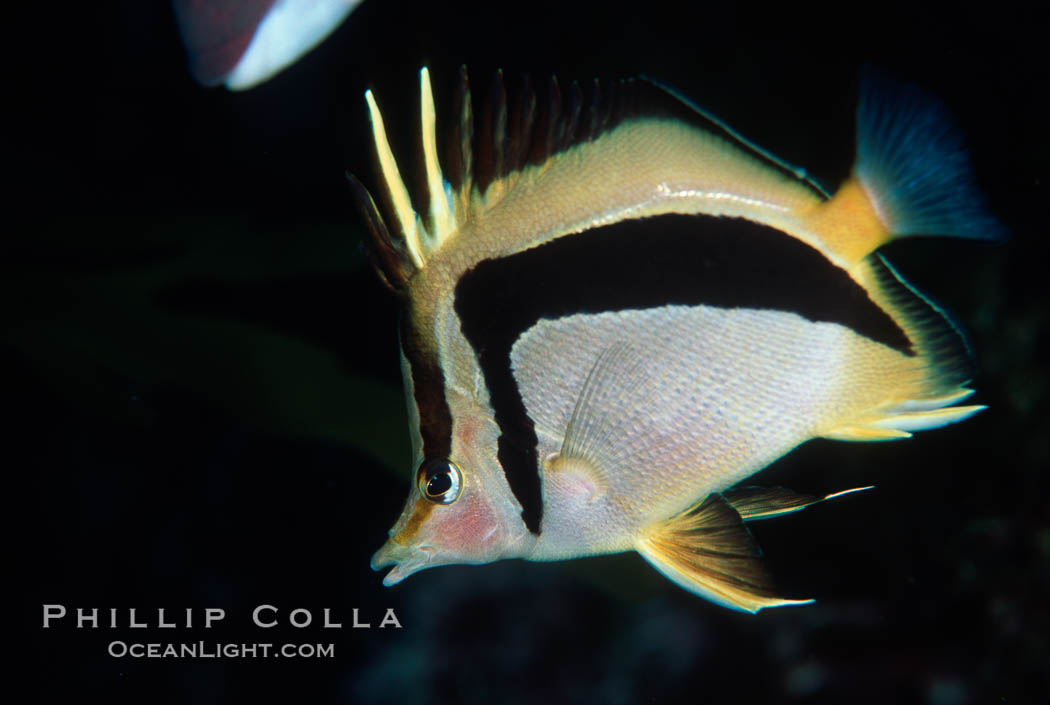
x=207, y=408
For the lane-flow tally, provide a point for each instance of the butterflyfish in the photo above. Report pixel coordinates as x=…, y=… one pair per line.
x=242, y=43
x=615, y=310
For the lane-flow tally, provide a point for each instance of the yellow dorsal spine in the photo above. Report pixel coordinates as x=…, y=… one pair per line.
x=442, y=219
x=402, y=204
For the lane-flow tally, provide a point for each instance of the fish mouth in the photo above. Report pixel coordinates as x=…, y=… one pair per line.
x=406, y=561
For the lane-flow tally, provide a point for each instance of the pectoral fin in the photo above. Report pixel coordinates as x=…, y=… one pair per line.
x=709, y=551
x=612, y=405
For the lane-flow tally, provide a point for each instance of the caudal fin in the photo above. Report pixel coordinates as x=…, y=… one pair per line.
x=913, y=164
x=912, y=176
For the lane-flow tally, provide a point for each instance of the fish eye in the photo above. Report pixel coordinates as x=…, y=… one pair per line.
x=440, y=481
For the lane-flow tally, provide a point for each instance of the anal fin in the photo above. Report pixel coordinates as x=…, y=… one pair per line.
x=709, y=551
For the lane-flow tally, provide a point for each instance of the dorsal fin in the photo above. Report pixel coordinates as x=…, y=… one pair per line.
x=486, y=156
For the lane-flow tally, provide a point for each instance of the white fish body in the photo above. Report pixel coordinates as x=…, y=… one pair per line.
x=616, y=310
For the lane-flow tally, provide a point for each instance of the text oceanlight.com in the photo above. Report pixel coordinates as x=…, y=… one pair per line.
x=150, y=633
x=205, y=650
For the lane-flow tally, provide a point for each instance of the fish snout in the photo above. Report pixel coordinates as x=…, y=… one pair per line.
x=405, y=559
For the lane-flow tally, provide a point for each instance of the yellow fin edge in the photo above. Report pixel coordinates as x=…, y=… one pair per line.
x=708, y=551
x=754, y=503
x=892, y=426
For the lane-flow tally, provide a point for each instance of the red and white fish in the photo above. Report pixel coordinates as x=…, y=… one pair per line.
x=241, y=43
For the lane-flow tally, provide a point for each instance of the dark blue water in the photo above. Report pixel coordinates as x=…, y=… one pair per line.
x=207, y=399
